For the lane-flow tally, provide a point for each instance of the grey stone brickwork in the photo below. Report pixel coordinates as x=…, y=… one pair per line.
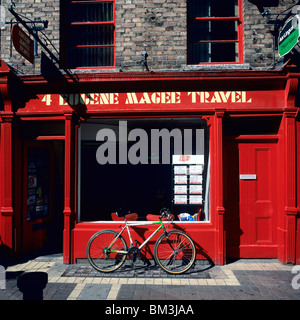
x=156, y=26
x=31, y=9
x=259, y=49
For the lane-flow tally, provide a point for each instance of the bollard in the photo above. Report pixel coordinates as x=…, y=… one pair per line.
x=32, y=284
x=2, y=278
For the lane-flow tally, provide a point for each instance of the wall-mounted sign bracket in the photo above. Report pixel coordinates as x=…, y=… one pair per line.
x=33, y=30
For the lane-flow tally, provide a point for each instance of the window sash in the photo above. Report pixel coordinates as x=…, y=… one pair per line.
x=86, y=35
x=213, y=30
x=200, y=50
x=90, y=30
x=101, y=56
x=212, y=8
x=91, y=11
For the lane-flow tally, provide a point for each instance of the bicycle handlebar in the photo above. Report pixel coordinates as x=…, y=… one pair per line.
x=164, y=212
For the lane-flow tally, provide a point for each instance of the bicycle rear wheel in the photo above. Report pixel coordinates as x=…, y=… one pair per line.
x=175, y=252
x=99, y=253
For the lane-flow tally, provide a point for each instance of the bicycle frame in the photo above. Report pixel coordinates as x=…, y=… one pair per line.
x=133, y=224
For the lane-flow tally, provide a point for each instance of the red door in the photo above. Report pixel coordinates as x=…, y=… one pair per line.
x=37, y=195
x=251, y=222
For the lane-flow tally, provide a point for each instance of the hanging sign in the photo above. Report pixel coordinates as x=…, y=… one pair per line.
x=22, y=43
x=289, y=36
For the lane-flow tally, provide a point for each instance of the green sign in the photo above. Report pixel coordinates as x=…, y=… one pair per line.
x=288, y=36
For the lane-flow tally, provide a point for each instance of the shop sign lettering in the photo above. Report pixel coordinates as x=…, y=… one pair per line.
x=148, y=98
x=220, y=97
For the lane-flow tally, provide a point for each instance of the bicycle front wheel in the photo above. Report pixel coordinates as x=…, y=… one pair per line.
x=175, y=252
x=101, y=249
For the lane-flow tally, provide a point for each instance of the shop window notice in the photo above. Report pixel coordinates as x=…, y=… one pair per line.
x=187, y=172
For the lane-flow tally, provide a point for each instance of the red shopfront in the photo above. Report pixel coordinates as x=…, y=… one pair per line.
x=77, y=149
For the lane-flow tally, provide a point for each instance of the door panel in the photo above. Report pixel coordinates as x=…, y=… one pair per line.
x=37, y=204
x=257, y=210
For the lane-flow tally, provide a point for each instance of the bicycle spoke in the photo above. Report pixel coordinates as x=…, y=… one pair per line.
x=175, y=253
x=99, y=251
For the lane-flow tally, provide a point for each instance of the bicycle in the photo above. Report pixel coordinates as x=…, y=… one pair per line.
x=174, y=250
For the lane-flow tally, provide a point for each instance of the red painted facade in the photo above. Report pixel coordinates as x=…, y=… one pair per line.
x=256, y=218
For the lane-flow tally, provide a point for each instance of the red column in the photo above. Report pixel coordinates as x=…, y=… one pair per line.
x=69, y=191
x=298, y=191
x=6, y=182
x=290, y=208
x=6, y=203
x=220, y=210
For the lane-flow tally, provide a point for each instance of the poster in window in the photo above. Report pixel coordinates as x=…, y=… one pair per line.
x=196, y=189
x=196, y=179
x=31, y=200
x=32, y=181
x=180, y=170
x=180, y=199
x=180, y=179
x=38, y=183
x=188, y=159
x=180, y=189
x=195, y=199
x=196, y=169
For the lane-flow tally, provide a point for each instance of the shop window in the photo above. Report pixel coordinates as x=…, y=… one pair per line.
x=142, y=165
x=88, y=33
x=215, y=31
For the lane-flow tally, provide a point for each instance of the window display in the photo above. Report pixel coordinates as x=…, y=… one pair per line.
x=38, y=183
x=142, y=165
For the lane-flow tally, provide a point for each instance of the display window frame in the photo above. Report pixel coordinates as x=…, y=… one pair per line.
x=199, y=214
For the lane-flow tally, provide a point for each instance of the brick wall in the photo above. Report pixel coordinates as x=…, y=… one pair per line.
x=156, y=26
x=258, y=41
x=31, y=9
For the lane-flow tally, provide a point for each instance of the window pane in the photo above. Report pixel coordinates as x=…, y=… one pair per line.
x=142, y=188
x=90, y=57
x=90, y=35
x=212, y=30
x=219, y=34
x=213, y=52
x=212, y=8
x=89, y=27
x=90, y=12
x=224, y=52
x=199, y=52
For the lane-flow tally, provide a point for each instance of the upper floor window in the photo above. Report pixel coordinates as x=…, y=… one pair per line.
x=215, y=31
x=88, y=33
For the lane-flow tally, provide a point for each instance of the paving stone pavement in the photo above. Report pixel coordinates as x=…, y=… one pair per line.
x=259, y=279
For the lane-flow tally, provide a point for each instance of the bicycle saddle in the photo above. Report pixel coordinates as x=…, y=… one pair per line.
x=129, y=217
